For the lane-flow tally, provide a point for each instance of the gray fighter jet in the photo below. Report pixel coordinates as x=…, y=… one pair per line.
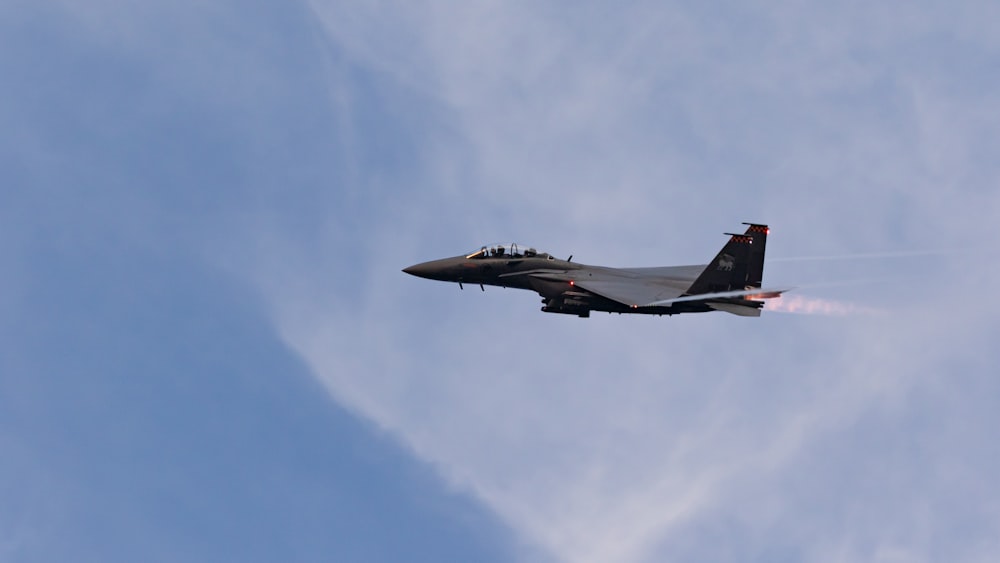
x=731, y=282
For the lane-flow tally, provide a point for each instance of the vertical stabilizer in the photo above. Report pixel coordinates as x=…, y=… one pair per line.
x=730, y=268
x=755, y=270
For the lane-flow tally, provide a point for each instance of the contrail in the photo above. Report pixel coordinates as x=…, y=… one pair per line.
x=864, y=256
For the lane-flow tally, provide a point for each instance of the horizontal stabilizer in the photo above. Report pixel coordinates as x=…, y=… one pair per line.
x=741, y=310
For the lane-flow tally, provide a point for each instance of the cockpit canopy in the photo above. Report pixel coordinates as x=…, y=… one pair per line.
x=511, y=250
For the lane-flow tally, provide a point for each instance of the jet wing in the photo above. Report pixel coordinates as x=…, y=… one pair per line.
x=629, y=290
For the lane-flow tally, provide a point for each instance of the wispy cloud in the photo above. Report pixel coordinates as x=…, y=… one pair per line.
x=631, y=134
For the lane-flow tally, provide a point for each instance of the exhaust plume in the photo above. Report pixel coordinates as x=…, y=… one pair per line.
x=801, y=305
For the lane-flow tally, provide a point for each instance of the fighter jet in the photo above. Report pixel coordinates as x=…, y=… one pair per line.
x=731, y=282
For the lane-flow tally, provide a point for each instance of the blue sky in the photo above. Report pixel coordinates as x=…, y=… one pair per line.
x=207, y=350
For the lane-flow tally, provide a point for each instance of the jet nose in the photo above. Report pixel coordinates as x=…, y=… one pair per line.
x=422, y=270
x=443, y=270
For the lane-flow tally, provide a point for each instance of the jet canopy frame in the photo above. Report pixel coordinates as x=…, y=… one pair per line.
x=506, y=250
